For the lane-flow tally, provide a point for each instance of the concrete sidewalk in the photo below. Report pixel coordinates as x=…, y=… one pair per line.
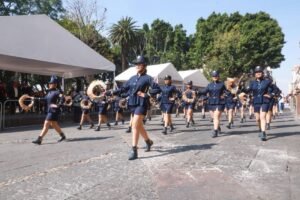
x=187, y=164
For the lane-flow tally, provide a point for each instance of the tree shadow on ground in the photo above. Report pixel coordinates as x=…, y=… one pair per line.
x=87, y=139
x=179, y=149
x=285, y=126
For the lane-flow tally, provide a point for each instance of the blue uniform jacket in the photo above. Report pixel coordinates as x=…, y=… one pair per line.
x=135, y=84
x=216, y=92
x=54, y=97
x=259, y=88
x=167, y=92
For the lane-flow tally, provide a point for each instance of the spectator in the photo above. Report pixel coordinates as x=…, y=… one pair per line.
x=3, y=94
x=14, y=93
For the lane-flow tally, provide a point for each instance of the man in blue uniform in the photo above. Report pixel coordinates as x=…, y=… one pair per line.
x=262, y=93
x=54, y=100
x=189, y=98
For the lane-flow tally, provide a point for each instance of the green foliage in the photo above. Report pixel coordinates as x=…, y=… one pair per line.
x=52, y=8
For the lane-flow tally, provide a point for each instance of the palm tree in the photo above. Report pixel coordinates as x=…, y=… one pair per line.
x=123, y=33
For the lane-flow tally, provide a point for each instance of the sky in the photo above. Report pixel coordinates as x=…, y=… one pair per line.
x=187, y=12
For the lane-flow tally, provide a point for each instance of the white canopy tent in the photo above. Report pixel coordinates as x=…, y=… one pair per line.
x=196, y=76
x=157, y=72
x=38, y=45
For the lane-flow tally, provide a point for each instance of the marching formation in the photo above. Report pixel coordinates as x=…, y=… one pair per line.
x=140, y=94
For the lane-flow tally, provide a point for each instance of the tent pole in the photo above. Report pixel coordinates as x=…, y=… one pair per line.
x=63, y=83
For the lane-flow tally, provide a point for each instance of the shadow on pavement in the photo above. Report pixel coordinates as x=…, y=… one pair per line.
x=86, y=139
x=179, y=149
x=283, y=134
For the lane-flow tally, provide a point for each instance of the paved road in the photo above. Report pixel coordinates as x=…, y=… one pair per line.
x=187, y=164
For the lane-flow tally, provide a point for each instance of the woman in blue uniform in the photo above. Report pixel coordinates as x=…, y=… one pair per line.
x=54, y=100
x=189, y=98
x=230, y=100
x=137, y=87
x=216, y=99
x=117, y=103
x=102, y=105
x=262, y=93
x=168, y=95
x=86, y=105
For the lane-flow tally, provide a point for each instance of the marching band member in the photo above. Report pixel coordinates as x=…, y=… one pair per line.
x=216, y=91
x=262, y=93
x=103, y=105
x=137, y=87
x=230, y=100
x=118, y=107
x=86, y=105
x=54, y=100
x=189, y=98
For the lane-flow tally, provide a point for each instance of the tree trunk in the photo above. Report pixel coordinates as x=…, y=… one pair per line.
x=124, y=59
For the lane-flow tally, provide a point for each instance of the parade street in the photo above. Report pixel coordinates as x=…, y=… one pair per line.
x=187, y=164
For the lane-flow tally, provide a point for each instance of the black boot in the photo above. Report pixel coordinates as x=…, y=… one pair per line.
x=150, y=118
x=193, y=122
x=263, y=136
x=171, y=128
x=165, y=131
x=128, y=130
x=268, y=127
x=123, y=121
x=215, y=134
x=211, y=120
x=62, y=137
x=242, y=120
x=229, y=126
x=116, y=123
x=219, y=129
x=80, y=127
x=149, y=143
x=144, y=121
x=203, y=116
x=188, y=124
x=98, y=128
x=92, y=125
x=133, y=154
x=108, y=125
x=38, y=141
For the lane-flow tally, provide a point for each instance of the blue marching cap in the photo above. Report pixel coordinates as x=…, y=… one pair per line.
x=53, y=80
x=258, y=69
x=215, y=73
x=189, y=83
x=140, y=60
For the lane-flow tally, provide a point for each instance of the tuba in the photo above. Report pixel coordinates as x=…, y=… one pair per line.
x=68, y=101
x=22, y=99
x=96, y=89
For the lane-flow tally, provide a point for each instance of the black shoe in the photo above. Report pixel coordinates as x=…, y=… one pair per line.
x=128, y=130
x=203, y=116
x=193, y=122
x=63, y=137
x=92, y=125
x=149, y=143
x=38, y=141
x=263, y=136
x=144, y=121
x=219, y=129
x=214, y=134
x=116, y=123
x=268, y=127
x=123, y=121
x=242, y=120
x=211, y=120
x=98, y=128
x=133, y=154
x=229, y=126
x=150, y=118
x=80, y=127
x=165, y=131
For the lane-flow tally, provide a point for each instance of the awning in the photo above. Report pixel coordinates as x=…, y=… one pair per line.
x=38, y=45
x=196, y=76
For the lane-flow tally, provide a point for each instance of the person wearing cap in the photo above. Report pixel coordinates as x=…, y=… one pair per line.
x=168, y=96
x=273, y=101
x=54, y=100
x=103, y=105
x=189, y=98
x=86, y=109
x=216, y=91
x=261, y=90
x=230, y=100
x=138, y=102
x=116, y=100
